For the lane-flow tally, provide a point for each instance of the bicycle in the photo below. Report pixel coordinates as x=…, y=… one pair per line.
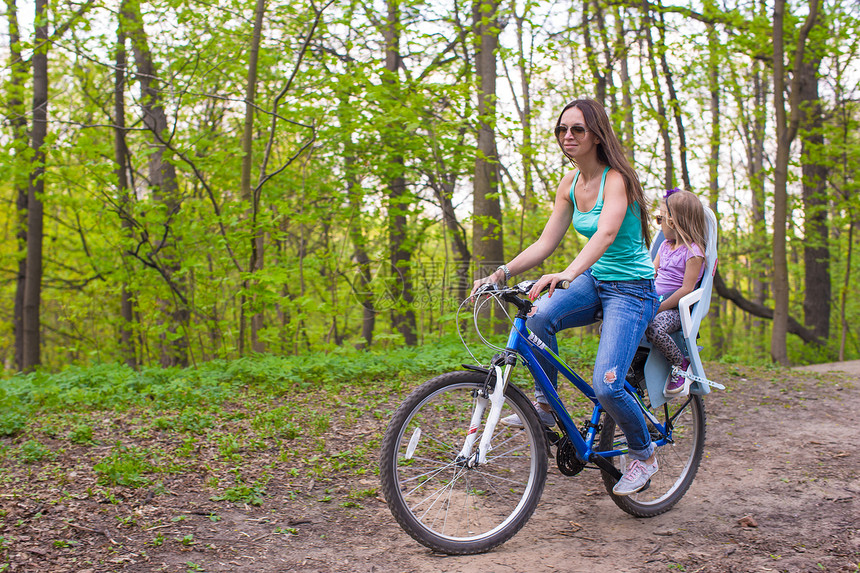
x=457, y=495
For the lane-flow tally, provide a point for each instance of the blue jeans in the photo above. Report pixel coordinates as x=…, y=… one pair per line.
x=628, y=307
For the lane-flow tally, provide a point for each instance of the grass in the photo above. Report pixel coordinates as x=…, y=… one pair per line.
x=126, y=428
x=263, y=432
x=124, y=466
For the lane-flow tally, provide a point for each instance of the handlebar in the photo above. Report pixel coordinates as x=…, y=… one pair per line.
x=513, y=294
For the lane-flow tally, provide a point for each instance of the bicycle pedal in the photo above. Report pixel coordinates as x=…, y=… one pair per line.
x=644, y=487
x=552, y=437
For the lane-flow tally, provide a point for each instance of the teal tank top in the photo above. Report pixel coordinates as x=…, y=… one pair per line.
x=627, y=258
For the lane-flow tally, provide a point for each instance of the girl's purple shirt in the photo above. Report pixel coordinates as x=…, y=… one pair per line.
x=673, y=263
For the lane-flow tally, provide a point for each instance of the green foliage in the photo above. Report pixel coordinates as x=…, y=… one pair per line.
x=242, y=492
x=81, y=434
x=124, y=466
x=106, y=386
x=11, y=422
x=324, y=164
x=33, y=451
x=276, y=423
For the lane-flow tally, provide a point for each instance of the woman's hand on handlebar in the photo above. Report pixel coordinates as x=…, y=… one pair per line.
x=494, y=278
x=552, y=281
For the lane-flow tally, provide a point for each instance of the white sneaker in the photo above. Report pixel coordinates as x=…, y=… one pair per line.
x=637, y=475
x=546, y=418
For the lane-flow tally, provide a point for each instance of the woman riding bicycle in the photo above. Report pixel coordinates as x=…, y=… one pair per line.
x=612, y=274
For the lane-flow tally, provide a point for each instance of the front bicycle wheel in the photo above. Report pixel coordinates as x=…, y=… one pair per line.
x=433, y=495
x=678, y=461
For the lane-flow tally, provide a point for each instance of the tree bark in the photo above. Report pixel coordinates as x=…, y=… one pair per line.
x=400, y=249
x=718, y=340
x=363, y=277
x=444, y=190
x=627, y=131
x=600, y=79
x=124, y=192
x=658, y=93
x=816, y=252
x=17, y=118
x=487, y=240
x=778, y=343
x=786, y=129
x=755, y=170
x=33, y=282
x=255, y=264
x=162, y=180
x=527, y=149
x=676, y=107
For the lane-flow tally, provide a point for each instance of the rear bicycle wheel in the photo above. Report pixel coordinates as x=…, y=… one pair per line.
x=678, y=461
x=434, y=496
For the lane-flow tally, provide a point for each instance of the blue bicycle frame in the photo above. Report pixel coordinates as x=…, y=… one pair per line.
x=522, y=341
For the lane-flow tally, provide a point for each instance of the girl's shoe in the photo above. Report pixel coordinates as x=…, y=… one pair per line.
x=678, y=382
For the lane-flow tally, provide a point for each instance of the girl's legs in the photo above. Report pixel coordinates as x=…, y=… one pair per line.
x=574, y=306
x=628, y=307
x=658, y=332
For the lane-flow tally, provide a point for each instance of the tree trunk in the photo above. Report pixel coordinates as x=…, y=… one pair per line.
x=124, y=192
x=17, y=118
x=527, y=149
x=676, y=107
x=363, y=278
x=252, y=199
x=487, y=240
x=778, y=342
x=162, y=180
x=400, y=250
x=658, y=93
x=816, y=253
x=462, y=257
x=846, y=289
x=755, y=161
x=591, y=55
x=31, y=356
x=718, y=341
x=627, y=131
x=609, y=59
x=786, y=129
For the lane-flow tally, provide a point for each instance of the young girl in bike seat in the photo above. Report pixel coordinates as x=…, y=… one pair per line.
x=612, y=274
x=680, y=263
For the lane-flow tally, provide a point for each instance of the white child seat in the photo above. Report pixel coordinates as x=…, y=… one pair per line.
x=693, y=308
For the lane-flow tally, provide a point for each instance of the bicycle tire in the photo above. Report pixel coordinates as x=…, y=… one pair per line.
x=435, y=498
x=678, y=461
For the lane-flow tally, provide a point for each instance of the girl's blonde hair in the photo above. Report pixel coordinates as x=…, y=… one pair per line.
x=688, y=217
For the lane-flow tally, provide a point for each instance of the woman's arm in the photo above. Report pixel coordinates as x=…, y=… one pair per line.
x=691, y=277
x=551, y=236
x=611, y=217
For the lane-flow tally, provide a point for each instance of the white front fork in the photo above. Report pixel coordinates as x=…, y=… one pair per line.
x=497, y=401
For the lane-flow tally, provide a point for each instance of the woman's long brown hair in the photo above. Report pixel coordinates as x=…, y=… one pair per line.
x=610, y=152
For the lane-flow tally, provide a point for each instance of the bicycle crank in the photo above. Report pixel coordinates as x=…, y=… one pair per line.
x=565, y=458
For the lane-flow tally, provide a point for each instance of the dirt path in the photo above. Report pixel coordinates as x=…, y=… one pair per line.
x=781, y=452
x=777, y=491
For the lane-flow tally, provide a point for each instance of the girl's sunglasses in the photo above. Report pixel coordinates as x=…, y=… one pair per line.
x=578, y=131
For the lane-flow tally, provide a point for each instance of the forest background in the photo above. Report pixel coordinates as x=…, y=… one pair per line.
x=191, y=181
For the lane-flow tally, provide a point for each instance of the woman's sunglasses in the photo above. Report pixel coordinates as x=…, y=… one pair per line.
x=578, y=131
